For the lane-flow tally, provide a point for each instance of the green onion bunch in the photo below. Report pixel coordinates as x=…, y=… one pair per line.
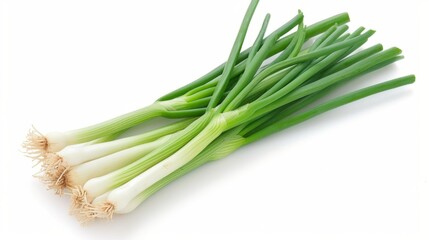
x=273, y=85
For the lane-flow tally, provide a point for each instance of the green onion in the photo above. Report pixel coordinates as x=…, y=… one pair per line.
x=243, y=100
x=236, y=48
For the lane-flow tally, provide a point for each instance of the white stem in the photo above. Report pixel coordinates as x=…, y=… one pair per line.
x=133, y=204
x=57, y=141
x=77, y=154
x=100, y=199
x=122, y=195
x=98, y=186
x=80, y=174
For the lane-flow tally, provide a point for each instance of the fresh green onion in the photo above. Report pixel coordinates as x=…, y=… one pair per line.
x=243, y=100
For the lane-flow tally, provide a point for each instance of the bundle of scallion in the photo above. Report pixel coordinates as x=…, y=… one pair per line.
x=243, y=100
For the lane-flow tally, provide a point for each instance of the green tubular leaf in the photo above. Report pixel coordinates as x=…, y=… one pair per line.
x=345, y=52
x=291, y=108
x=334, y=103
x=357, y=32
x=266, y=83
x=311, y=31
x=333, y=36
x=288, y=50
x=280, y=113
x=343, y=37
x=312, y=55
x=299, y=68
x=252, y=64
x=297, y=81
x=345, y=74
x=285, y=28
x=209, y=84
x=247, y=81
x=346, y=62
x=315, y=69
x=232, y=59
x=384, y=63
x=259, y=123
x=297, y=40
x=200, y=103
x=300, y=41
x=323, y=37
x=117, y=124
x=259, y=39
x=338, y=36
x=201, y=94
x=238, y=69
x=296, y=70
x=184, y=113
x=326, y=39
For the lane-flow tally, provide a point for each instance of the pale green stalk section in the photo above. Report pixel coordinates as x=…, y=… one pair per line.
x=122, y=195
x=59, y=140
x=224, y=145
x=81, y=173
x=75, y=155
x=108, y=138
x=97, y=186
x=115, y=125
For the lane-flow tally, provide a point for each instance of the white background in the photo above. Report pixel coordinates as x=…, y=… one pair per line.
x=359, y=172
